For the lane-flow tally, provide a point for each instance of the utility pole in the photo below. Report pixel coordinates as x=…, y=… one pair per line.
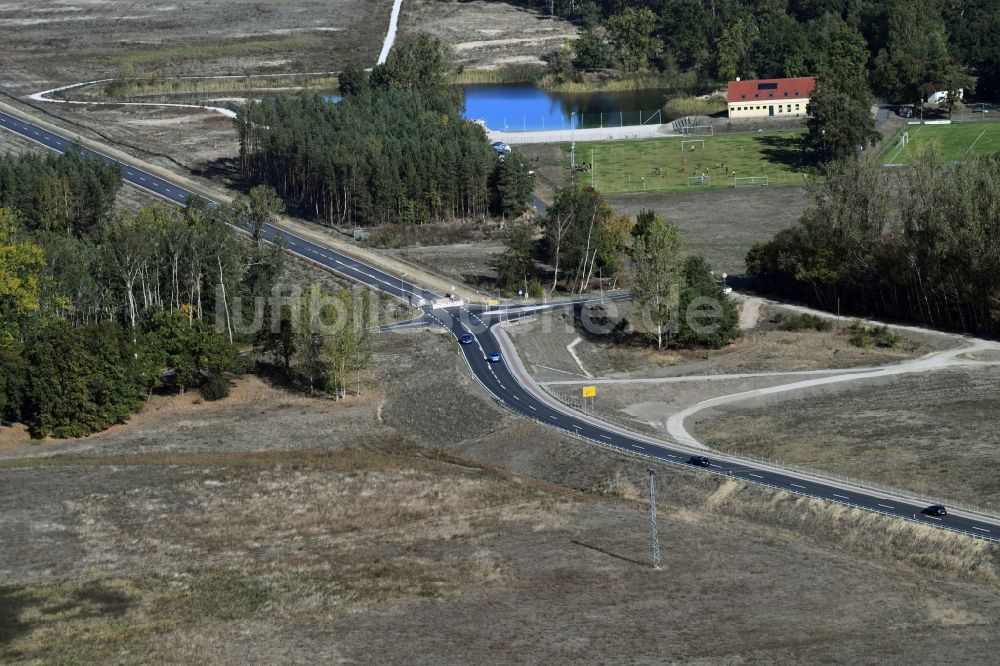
x=653, y=536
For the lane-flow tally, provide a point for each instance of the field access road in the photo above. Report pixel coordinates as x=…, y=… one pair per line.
x=510, y=384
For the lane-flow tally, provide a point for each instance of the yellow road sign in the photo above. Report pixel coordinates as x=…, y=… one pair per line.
x=493, y=301
x=589, y=391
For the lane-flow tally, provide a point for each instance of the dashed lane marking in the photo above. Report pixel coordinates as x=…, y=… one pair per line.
x=886, y=506
x=841, y=496
x=795, y=485
x=758, y=476
x=981, y=529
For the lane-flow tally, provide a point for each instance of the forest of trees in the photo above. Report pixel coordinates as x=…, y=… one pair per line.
x=908, y=43
x=395, y=149
x=99, y=307
x=921, y=244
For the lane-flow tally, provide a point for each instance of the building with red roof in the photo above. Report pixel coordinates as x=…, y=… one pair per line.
x=778, y=98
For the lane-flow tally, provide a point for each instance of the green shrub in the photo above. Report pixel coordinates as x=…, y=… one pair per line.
x=867, y=337
x=216, y=388
x=803, y=322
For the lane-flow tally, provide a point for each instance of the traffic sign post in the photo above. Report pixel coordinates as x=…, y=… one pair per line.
x=589, y=392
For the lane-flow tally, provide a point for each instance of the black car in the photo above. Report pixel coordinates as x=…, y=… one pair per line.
x=935, y=510
x=700, y=461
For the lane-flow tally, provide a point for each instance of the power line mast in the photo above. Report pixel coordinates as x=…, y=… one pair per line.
x=653, y=536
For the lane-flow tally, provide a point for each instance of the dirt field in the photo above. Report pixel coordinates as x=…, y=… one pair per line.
x=273, y=527
x=934, y=435
x=204, y=38
x=485, y=35
x=541, y=342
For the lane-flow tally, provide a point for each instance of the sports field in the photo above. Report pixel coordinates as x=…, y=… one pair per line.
x=692, y=163
x=956, y=141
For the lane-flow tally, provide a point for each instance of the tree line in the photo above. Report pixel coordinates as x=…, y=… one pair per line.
x=919, y=245
x=394, y=149
x=908, y=43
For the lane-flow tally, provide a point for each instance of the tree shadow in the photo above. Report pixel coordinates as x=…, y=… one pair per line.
x=225, y=169
x=603, y=551
x=13, y=600
x=88, y=601
x=788, y=151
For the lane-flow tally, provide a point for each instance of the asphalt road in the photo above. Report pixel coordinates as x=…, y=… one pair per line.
x=507, y=382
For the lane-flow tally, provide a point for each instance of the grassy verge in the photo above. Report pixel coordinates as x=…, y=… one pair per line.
x=678, y=107
x=124, y=88
x=513, y=73
x=621, y=82
x=183, y=53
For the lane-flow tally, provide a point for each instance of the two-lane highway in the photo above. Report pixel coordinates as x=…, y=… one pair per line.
x=509, y=385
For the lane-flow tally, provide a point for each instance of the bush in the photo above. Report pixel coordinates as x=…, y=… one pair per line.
x=803, y=322
x=216, y=388
x=867, y=337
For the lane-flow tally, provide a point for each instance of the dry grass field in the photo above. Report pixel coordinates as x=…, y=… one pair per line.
x=486, y=35
x=931, y=433
x=420, y=523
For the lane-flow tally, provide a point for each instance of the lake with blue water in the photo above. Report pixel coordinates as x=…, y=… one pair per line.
x=519, y=107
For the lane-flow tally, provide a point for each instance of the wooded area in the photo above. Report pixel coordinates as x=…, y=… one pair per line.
x=921, y=244
x=99, y=308
x=908, y=43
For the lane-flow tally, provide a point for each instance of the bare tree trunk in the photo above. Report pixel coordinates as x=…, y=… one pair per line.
x=225, y=301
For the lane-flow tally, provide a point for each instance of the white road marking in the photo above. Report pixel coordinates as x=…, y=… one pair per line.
x=756, y=475
x=981, y=529
x=605, y=437
x=797, y=485
x=533, y=407
x=886, y=506
x=841, y=496
x=636, y=446
x=932, y=517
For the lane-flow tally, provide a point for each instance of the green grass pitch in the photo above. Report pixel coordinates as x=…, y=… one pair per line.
x=661, y=164
x=955, y=142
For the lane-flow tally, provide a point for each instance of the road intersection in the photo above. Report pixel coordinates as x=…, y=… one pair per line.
x=510, y=384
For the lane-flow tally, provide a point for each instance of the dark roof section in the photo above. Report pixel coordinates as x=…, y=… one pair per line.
x=765, y=89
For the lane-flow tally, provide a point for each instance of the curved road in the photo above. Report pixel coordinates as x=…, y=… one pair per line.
x=511, y=386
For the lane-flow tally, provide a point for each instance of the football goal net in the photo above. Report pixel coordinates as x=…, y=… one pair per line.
x=698, y=130
x=749, y=181
x=904, y=139
x=703, y=180
x=691, y=144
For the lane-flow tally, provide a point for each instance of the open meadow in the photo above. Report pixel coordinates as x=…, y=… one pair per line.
x=955, y=142
x=428, y=526
x=692, y=163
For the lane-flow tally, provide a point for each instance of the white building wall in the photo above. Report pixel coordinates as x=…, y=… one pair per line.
x=783, y=108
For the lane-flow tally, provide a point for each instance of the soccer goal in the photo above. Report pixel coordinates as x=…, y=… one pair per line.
x=691, y=144
x=904, y=139
x=698, y=130
x=749, y=181
x=699, y=181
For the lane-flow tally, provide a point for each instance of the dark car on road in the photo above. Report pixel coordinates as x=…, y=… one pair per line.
x=494, y=357
x=935, y=510
x=700, y=461
x=466, y=339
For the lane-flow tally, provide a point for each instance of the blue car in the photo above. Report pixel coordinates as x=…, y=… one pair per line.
x=494, y=357
x=466, y=339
